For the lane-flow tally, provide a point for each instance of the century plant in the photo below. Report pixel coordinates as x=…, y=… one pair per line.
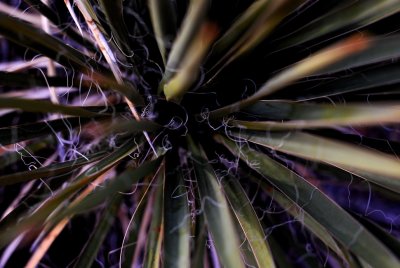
x=199, y=133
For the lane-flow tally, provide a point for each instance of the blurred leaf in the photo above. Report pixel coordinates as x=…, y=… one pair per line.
x=132, y=232
x=26, y=35
x=12, y=79
x=309, y=222
x=39, y=106
x=302, y=116
x=176, y=87
x=325, y=211
x=52, y=170
x=176, y=223
x=339, y=154
x=200, y=241
x=242, y=25
x=31, y=80
x=14, y=134
x=37, y=218
x=365, y=79
x=194, y=18
x=89, y=9
x=306, y=67
x=114, y=15
x=280, y=256
x=152, y=257
x=356, y=16
x=256, y=23
x=122, y=183
x=96, y=239
x=53, y=17
x=164, y=23
x=249, y=222
x=218, y=218
x=12, y=156
x=380, y=49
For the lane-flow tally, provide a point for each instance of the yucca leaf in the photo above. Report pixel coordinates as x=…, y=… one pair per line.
x=164, y=24
x=199, y=242
x=359, y=14
x=14, y=134
x=114, y=15
x=40, y=106
x=89, y=9
x=132, y=232
x=176, y=252
x=361, y=80
x=10, y=157
x=96, y=239
x=241, y=25
x=26, y=80
x=122, y=183
x=36, y=219
x=250, y=29
x=41, y=42
x=342, y=155
x=190, y=26
x=176, y=87
x=53, y=17
x=280, y=256
x=52, y=170
x=152, y=257
x=325, y=211
x=310, y=65
x=248, y=221
x=53, y=48
x=390, y=240
x=300, y=116
x=380, y=49
x=297, y=212
x=216, y=211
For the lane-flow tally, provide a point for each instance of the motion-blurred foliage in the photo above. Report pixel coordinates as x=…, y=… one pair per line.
x=199, y=133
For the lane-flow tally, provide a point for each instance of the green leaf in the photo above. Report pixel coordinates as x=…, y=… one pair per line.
x=40, y=106
x=325, y=211
x=309, y=222
x=132, y=232
x=376, y=77
x=53, y=17
x=164, y=23
x=190, y=26
x=306, y=67
x=339, y=154
x=26, y=80
x=115, y=19
x=359, y=14
x=241, y=25
x=300, y=116
x=255, y=24
x=155, y=235
x=96, y=240
x=380, y=49
x=14, y=134
x=189, y=68
x=176, y=223
x=199, y=242
x=35, y=220
x=27, y=35
x=122, y=183
x=249, y=222
x=49, y=171
x=10, y=157
x=216, y=211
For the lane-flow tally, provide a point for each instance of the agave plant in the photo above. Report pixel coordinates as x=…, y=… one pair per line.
x=199, y=133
